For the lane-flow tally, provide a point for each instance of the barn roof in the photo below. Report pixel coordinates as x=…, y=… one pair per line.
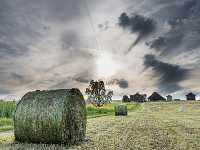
x=168, y=96
x=190, y=94
x=156, y=96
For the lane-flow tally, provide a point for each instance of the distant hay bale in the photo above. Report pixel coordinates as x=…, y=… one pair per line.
x=120, y=110
x=144, y=108
x=181, y=109
x=55, y=116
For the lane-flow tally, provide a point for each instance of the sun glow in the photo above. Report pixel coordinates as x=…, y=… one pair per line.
x=106, y=67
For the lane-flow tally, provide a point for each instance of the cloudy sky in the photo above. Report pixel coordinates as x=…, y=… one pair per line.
x=132, y=45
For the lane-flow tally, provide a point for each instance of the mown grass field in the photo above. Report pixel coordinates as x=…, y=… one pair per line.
x=153, y=129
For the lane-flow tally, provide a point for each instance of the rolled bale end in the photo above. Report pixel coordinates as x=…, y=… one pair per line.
x=55, y=116
x=120, y=110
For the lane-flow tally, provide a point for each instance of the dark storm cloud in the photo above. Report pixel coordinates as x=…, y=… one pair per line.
x=185, y=10
x=122, y=83
x=183, y=27
x=172, y=38
x=137, y=24
x=169, y=75
x=175, y=9
x=165, y=44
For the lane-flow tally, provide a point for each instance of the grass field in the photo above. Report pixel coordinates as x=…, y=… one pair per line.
x=112, y=105
x=153, y=129
x=108, y=109
x=7, y=109
x=6, y=115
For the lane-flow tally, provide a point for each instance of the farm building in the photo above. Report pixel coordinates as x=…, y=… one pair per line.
x=138, y=97
x=169, y=97
x=156, y=97
x=177, y=99
x=191, y=96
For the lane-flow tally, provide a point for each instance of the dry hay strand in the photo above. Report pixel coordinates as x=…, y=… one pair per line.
x=55, y=116
x=120, y=109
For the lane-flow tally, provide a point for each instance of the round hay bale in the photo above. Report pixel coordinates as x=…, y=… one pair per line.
x=120, y=109
x=181, y=109
x=55, y=116
x=144, y=108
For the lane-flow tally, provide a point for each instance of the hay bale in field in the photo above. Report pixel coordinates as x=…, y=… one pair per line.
x=120, y=109
x=144, y=108
x=55, y=116
x=181, y=109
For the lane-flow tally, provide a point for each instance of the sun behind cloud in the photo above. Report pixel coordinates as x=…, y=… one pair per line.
x=106, y=66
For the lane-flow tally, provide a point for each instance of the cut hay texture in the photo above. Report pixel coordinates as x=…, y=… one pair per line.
x=120, y=110
x=55, y=116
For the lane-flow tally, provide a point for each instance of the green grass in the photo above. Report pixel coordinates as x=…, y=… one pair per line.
x=6, y=124
x=6, y=128
x=6, y=115
x=98, y=112
x=7, y=109
x=6, y=121
x=92, y=112
x=109, y=109
x=153, y=129
x=112, y=105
